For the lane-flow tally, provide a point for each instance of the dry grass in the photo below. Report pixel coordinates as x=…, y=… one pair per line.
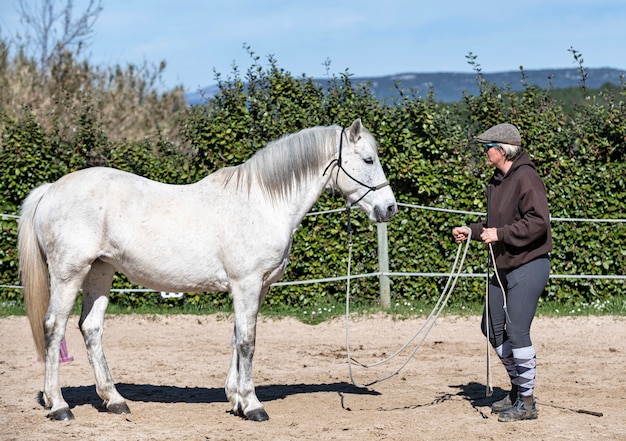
x=124, y=102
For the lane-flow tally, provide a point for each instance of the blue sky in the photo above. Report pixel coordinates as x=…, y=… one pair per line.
x=368, y=38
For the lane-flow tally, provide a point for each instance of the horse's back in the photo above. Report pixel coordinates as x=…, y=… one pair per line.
x=96, y=212
x=88, y=200
x=105, y=192
x=100, y=183
x=162, y=236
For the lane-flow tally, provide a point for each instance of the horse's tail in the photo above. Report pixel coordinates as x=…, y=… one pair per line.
x=33, y=268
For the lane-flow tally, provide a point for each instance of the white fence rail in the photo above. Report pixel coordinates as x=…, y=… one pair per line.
x=384, y=274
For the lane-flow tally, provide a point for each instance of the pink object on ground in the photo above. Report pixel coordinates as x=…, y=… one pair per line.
x=64, y=357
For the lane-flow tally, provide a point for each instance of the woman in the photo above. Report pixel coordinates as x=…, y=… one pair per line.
x=517, y=229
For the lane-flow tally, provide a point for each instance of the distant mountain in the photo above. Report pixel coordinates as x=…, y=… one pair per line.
x=449, y=87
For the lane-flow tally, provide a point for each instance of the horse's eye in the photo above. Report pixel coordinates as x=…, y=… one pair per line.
x=368, y=160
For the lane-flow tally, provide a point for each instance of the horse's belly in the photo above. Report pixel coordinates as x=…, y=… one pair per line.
x=166, y=274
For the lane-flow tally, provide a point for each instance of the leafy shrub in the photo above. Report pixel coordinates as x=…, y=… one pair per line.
x=425, y=148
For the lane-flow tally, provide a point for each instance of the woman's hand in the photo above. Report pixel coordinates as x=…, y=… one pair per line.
x=460, y=233
x=489, y=235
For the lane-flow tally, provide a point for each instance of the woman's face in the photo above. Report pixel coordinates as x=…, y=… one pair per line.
x=495, y=156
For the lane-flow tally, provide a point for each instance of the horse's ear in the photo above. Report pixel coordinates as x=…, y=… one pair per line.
x=355, y=130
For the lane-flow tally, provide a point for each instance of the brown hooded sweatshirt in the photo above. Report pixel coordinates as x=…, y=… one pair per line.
x=519, y=210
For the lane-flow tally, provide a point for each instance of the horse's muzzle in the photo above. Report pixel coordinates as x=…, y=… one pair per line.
x=386, y=212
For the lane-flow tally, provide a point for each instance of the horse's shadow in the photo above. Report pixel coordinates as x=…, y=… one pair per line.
x=86, y=395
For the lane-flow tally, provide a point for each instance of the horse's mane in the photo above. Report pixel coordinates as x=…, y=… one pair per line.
x=282, y=165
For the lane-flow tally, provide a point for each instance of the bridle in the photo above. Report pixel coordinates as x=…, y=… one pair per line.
x=340, y=167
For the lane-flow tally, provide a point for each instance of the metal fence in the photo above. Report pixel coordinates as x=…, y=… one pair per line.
x=384, y=273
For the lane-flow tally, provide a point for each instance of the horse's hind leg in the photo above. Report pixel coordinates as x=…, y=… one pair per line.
x=96, y=289
x=62, y=297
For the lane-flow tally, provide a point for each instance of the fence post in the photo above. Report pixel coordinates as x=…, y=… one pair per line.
x=383, y=265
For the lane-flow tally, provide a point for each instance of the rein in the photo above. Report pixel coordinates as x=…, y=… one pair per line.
x=428, y=324
x=441, y=302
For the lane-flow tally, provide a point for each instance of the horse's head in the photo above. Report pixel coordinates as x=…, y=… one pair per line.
x=360, y=176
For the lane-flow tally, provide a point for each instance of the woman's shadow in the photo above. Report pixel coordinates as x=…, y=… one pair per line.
x=476, y=395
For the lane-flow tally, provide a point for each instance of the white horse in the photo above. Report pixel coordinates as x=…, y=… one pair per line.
x=231, y=231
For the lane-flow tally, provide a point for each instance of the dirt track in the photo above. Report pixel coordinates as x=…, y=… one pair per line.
x=172, y=371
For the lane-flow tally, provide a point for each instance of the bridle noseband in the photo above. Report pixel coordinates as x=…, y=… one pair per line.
x=340, y=167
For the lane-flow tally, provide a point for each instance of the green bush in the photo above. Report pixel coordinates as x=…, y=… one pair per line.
x=425, y=148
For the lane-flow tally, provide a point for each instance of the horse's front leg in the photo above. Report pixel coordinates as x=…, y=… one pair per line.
x=239, y=383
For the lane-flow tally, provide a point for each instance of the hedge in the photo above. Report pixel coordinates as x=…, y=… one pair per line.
x=426, y=149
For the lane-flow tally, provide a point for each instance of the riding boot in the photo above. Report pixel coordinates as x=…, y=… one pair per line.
x=523, y=409
x=506, y=402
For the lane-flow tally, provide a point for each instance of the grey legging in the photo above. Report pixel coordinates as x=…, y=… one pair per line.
x=524, y=286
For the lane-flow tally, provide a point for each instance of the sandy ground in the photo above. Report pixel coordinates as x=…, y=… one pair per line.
x=172, y=371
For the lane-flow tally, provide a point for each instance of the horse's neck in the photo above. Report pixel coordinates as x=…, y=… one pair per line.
x=294, y=201
x=299, y=203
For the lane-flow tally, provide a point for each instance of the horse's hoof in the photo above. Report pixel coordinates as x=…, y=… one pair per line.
x=258, y=415
x=61, y=415
x=118, y=408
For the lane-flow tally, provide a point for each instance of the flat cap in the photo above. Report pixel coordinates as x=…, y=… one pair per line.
x=504, y=133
